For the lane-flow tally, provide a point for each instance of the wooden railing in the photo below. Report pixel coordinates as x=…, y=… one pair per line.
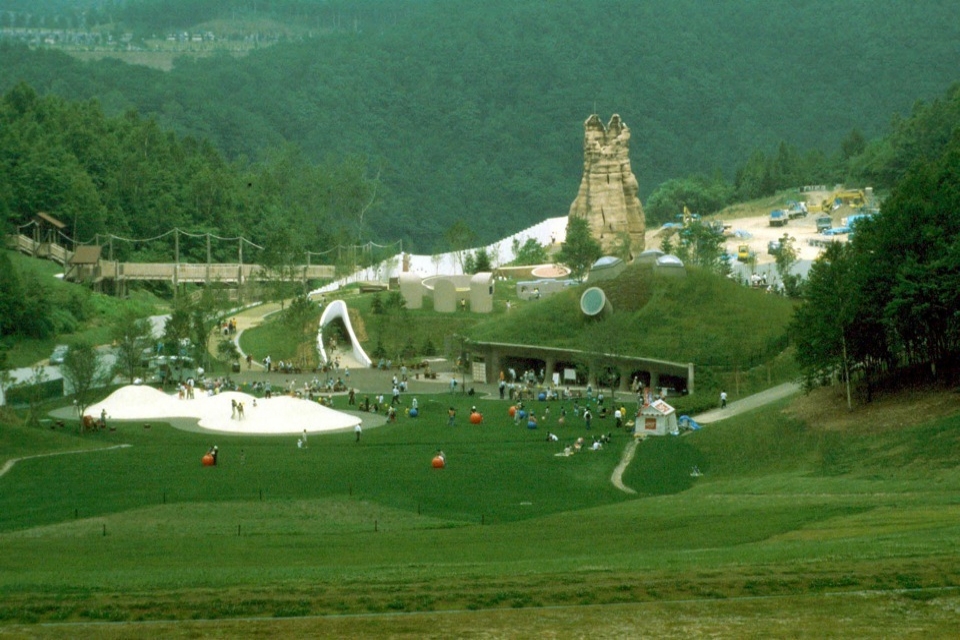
x=47, y=250
x=161, y=271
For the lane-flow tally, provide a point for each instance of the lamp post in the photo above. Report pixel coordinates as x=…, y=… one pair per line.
x=462, y=361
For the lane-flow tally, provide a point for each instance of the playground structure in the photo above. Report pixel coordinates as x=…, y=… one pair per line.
x=449, y=292
x=594, y=303
x=87, y=264
x=337, y=310
x=670, y=266
x=605, y=268
x=536, y=289
x=281, y=414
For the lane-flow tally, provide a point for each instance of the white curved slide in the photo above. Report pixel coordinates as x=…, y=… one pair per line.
x=334, y=310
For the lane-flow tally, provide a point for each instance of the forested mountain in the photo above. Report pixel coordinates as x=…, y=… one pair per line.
x=474, y=110
x=128, y=177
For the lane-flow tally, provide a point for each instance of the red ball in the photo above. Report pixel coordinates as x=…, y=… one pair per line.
x=512, y=411
x=207, y=460
x=439, y=463
x=476, y=418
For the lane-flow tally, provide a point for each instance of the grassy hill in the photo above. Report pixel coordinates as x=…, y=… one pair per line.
x=75, y=311
x=786, y=517
x=700, y=318
x=725, y=329
x=804, y=513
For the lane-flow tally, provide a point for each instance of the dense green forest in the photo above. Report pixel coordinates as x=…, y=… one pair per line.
x=127, y=177
x=476, y=114
x=887, y=301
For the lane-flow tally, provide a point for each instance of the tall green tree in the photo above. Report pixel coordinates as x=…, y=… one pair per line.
x=460, y=237
x=786, y=256
x=702, y=243
x=580, y=250
x=823, y=323
x=911, y=258
x=131, y=336
x=83, y=368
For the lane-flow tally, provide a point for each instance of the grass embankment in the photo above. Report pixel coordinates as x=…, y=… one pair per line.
x=78, y=313
x=736, y=336
x=783, y=510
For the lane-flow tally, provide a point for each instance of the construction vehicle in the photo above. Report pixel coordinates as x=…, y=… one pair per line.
x=778, y=218
x=686, y=217
x=796, y=210
x=848, y=197
x=851, y=198
x=744, y=253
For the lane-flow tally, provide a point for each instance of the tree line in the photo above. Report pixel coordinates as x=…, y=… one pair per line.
x=127, y=176
x=885, y=304
x=477, y=113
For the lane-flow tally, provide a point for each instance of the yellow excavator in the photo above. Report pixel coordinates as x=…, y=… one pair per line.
x=853, y=197
x=848, y=197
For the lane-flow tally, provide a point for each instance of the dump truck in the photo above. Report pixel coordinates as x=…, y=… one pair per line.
x=778, y=218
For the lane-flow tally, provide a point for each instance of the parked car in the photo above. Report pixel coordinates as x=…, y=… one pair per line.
x=59, y=353
x=778, y=218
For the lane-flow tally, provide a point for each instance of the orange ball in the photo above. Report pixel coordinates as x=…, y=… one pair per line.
x=438, y=463
x=476, y=418
x=512, y=411
x=207, y=460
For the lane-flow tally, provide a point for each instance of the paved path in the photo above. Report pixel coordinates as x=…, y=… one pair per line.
x=749, y=403
x=9, y=464
x=254, y=317
x=246, y=319
x=733, y=408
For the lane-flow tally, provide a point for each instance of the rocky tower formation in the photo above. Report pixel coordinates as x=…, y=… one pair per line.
x=608, y=191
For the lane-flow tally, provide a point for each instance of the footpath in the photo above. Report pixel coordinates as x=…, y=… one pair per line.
x=734, y=408
x=749, y=403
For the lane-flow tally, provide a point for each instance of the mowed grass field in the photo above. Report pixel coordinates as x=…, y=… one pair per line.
x=793, y=530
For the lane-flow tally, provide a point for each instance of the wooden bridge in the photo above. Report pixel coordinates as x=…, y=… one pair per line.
x=87, y=265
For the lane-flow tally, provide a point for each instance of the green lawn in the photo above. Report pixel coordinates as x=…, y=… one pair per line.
x=790, y=529
x=782, y=511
